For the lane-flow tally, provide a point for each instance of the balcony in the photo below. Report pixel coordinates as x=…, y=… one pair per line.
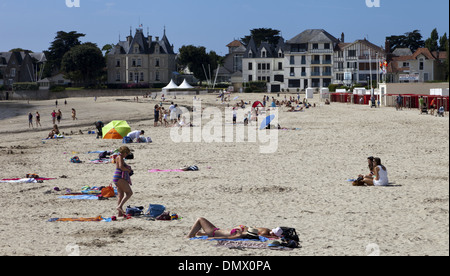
x=327, y=61
x=315, y=74
x=321, y=51
x=315, y=61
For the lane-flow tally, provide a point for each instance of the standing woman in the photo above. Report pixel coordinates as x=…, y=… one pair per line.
x=38, y=119
x=156, y=113
x=122, y=179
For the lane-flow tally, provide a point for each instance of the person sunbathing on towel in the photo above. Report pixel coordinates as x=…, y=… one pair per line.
x=239, y=232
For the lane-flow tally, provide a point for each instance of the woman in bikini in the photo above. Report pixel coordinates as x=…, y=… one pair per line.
x=122, y=179
x=216, y=233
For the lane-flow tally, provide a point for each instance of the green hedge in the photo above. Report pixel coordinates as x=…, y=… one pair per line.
x=25, y=86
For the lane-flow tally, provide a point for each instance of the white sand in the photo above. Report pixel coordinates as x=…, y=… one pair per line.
x=303, y=185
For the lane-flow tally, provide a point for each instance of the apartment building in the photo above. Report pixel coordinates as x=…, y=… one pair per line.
x=264, y=63
x=357, y=62
x=309, y=60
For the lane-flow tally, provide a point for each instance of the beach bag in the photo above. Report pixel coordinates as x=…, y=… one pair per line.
x=289, y=237
x=127, y=140
x=289, y=234
x=134, y=211
x=75, y=159
x=108, y=192
x=155, y=210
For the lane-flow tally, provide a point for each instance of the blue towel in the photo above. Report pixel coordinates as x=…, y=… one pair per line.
x=88, y=197
x=261, y=238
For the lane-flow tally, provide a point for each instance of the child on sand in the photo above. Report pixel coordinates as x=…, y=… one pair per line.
x=122, y=179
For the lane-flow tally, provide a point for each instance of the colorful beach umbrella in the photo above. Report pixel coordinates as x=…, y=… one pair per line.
x=116, y=130
x=266, y=121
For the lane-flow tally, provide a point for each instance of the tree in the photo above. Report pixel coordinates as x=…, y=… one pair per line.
x=262, y=34
x=412, y=40
x=443, y=43
x=197, y=60
x=83, y=63
x=432, y=42
x=62, y=44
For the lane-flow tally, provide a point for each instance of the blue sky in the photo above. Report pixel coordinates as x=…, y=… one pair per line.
x=32, y=24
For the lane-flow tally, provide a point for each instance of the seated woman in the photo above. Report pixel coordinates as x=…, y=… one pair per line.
x=380, y=177
x=236, y=233
x=53, y=132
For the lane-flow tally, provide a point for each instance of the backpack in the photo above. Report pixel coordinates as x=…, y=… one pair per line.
x=290, y=237
x=134, y=211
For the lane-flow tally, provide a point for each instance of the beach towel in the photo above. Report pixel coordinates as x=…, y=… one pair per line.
x=100, y=161
x=20, y=180
x=99, y=218
x=38, y=179
x=79, y=197
x=248, y=244
x=261, y=239
x=156, y=170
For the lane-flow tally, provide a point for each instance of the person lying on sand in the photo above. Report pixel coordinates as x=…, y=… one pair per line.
x=239, y=232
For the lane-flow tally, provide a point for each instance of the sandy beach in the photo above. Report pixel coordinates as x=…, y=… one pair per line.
x=302, y=185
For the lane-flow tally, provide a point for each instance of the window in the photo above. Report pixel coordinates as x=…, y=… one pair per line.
x=292, y=72
x=157, y=62
x=250, y=66
x=142, y=76
x=294, y=84
x=131, y=76
x=352, y=53
x=139, y=62
x=133, y=63
x=117, y=62
x=250, y=54
x=13, y=72
x=263, y=53
x=327, y=46
x=303, y=59
x=315, y=46
x=292, y=60
x=280, y=65
x=118, y=76
x=157, y=76
x=250, y=77
x=405, y=64
x=268, y=66
x=421, y=65
x=136, y=49
x=279, y=78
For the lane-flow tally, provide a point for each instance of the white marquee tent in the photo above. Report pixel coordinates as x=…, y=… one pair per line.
x=171, y=85
x=185, y=85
